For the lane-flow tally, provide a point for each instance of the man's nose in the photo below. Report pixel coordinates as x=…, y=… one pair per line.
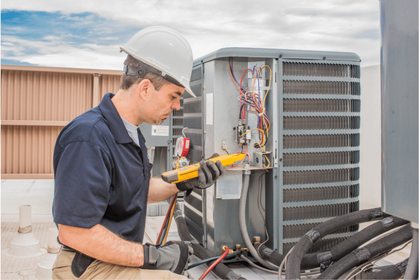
x=176, y=104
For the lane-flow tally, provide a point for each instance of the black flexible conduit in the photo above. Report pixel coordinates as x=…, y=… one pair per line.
x=269, y=254
x=363, y=254
x=221, y=270
x=352, y=243
x=305, y=243
x=413, y=262
x=338, y=251
x=394, y=271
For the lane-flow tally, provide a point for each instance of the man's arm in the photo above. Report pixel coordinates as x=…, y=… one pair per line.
x=100, y=243
x=159, y=190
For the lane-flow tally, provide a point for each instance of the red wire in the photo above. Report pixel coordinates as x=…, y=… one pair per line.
x=214, y=264
x=244, y=74
x=166, y=218
x=246, y=153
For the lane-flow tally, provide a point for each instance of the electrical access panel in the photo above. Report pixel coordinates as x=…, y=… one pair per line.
x=296, y=115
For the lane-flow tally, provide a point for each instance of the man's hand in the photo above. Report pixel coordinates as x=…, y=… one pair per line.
x=173, y=256
x=208, y=173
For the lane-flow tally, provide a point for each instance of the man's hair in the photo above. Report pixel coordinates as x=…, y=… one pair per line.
x=128, y=81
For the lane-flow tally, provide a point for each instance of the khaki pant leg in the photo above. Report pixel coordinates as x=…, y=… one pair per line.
x=62, y=266
x=102, y=270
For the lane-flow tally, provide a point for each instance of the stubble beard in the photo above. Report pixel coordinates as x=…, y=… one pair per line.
x=158, y=122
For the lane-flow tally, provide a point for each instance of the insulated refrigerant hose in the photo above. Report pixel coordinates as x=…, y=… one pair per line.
x=242, y=223
x=269, y=254
x=339, y=250
x=395, y=271
x=305, y=243
x=363, y=254
x=353, y=242
x=220, y=270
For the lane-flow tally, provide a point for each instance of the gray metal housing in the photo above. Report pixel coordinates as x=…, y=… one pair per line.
x=314, y=110
x=400, y=101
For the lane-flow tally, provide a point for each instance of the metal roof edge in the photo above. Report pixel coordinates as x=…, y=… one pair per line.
x=60, y=70
x=277, y=53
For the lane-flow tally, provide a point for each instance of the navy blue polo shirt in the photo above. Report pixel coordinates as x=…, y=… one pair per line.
x=101, y=175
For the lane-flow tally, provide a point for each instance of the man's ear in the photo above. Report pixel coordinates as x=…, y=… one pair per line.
x=145, y=88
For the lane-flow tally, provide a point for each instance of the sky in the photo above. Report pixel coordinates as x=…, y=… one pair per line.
x=88, y=33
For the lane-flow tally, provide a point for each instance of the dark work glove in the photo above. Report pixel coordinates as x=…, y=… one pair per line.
x=208, y=173
x=173, y=256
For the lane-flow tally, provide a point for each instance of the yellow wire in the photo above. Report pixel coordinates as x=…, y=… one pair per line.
x=169, y=223
x=266, y=166
x=266, y=121
x=250, y=130
x=265, y=97
x=269, y=84
x=262, y=131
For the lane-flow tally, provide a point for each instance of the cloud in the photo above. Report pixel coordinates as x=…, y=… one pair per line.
x=99, y=27
x=47, y=53
x=59, y=40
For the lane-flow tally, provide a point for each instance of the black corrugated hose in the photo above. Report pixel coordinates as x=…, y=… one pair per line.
x=413, y=262
x=363, y=254
x=352, y=243
x=338, y=251
x=394, y=271
x=221, y=270
x=268, y=254
x=305, y=243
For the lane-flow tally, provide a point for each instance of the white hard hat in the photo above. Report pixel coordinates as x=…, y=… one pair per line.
x=165, y=50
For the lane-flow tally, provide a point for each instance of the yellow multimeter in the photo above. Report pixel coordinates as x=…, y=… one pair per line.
x=191, y=171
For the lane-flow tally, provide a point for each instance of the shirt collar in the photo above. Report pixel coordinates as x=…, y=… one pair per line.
x=114, y=120
x=132, y=131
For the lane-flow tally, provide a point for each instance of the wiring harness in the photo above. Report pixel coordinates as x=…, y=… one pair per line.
x=163, y=234
x=254, y=98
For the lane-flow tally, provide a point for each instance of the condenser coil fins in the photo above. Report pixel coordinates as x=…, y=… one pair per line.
x=320, y=147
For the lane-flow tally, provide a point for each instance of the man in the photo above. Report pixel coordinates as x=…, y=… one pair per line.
x=102, y=174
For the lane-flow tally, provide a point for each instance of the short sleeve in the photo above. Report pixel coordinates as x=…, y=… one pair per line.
x=82, y=183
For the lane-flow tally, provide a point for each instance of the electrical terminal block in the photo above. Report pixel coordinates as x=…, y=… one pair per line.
x=243, y=133
x=262, y=159
x=248, y=136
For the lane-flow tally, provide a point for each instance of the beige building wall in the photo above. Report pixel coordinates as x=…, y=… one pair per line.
x=370, y=138
x=36, y=103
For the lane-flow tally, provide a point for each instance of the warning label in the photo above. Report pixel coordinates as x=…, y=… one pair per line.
x=160, y=130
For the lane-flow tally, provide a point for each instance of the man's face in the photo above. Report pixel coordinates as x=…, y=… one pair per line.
x=162, y=102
